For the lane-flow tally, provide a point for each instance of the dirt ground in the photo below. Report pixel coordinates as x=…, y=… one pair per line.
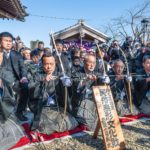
x=137, y=137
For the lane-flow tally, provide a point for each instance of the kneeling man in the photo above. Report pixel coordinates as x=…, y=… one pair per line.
x=48, y=114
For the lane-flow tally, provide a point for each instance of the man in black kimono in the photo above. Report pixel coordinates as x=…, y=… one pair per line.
x=46, y=106
x=119, y=87
x=84, y=108
x=142, y=86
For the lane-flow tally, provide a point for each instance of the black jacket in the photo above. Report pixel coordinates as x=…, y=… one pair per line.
x=43, y=90
x=7, y=101
x=141, y=86
x=18, y=65
x=65, y=63
x=78, y=94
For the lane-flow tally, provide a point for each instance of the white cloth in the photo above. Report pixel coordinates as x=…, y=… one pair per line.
x=106, y=79
x=7, y=53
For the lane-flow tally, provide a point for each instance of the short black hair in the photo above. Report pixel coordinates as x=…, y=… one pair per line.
x=40, y=42
x=34, y=53
x=145, y=57
x=47, y=54
x=59, y=41
x=76, y=57
x=6, y=34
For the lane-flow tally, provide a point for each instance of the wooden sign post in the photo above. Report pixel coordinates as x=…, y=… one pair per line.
x=108, y=119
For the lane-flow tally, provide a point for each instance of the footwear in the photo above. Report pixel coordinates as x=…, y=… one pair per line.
x=21, y=117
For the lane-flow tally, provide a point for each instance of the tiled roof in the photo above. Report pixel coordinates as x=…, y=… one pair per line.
x=12, y=9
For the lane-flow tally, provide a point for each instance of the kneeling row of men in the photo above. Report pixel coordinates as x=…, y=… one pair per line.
x=49, y=90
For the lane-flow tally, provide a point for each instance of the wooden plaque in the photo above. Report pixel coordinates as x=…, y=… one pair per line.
x=108, y=118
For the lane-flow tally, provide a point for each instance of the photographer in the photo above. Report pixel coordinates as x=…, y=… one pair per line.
x=114, y=51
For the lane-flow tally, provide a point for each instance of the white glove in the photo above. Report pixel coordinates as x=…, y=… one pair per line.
x=106, y=79
x=66, y=81
x=129, y=78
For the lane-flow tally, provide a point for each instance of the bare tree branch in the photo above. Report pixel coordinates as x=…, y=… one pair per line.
x=130, y=22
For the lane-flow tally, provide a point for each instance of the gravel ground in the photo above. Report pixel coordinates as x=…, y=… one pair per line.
x=137, y=137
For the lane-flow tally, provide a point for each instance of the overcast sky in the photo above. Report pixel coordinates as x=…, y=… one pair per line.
x=95, y=12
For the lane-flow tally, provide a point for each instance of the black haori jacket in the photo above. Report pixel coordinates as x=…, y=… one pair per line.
x=141, y=86
x=43, y=90
x=117, y=87
x=79, y=92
